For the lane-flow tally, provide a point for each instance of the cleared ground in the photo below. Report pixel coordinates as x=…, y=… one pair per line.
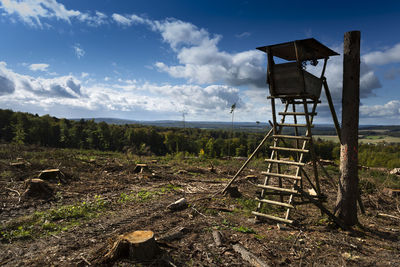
x=101, y=197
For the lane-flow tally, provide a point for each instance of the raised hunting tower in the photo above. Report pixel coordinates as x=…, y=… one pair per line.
x=299, y=91
x=290, y=79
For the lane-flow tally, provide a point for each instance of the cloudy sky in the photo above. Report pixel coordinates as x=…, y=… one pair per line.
x=153, y=60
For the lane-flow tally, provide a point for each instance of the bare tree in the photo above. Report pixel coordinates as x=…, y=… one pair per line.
x=348, y=192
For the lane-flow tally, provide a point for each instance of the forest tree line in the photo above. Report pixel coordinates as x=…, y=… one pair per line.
x=26, y=128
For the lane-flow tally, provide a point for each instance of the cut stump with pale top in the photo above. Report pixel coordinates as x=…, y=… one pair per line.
x=137, y=245
x=140, y=168
x=52, y=175
x=37, y=188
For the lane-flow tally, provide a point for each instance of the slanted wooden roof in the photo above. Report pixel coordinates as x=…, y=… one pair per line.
x=308, y=49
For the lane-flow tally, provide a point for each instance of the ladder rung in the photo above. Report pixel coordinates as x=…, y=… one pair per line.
x=298, y=113
x=291, y=137
x=294, y=125
x=276, y=203
x=272, y=217
x=285, y=162
x=289, y=149
x=282, y=175
x=280, y=189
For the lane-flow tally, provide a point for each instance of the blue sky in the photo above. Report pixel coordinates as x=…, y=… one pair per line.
x=152, y=60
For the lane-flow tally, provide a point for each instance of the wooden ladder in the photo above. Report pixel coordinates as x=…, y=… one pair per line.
x=283, y=184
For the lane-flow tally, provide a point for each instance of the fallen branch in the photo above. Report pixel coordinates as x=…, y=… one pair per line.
x=388, y=216
x=56, y=236
x=295, y=240
x=15, y=191
x=193, y=208
x=217, y=238
x=84, y=259
x=220, y=209
x=248, y=256
x=177, y=233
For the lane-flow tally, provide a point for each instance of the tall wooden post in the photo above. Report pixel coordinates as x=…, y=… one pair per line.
x=346, y=203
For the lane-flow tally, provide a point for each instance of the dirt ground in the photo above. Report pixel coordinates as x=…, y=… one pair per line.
x=109, y=198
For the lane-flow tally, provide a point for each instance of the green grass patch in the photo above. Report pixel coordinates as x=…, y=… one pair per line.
x=52, y=221
x=146, y=195
x=373, y=137
x=141, y=196
x=244, y=229
x=5, y=175
x=247, y=205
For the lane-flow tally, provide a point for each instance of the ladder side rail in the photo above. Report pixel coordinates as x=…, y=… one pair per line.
x=311, y=147
x=266, y=180
x=278, y=167
x=305, y=142
x=296, y=133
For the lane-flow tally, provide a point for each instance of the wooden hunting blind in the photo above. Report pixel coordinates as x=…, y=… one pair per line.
x=291, y=79
x=287, y=182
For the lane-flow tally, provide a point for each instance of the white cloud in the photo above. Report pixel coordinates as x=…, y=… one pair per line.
x=79, y=52
x=390, y=55
x=67, y=92
x=33, y=12
x=39, y=66
x=389, y=110
x=95, y=20
x=122, y=20
x=179, y=33
x=243, y=35
x=131, y=98
x=28, y=86
x=7, y=85
x=334, y=75
x=200, y=60
x=128, y=20
x=84, y=75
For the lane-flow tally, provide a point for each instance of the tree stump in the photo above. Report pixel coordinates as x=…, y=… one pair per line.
x=395, y=171
x=52, y=175
x=137, y=246
x=233, y=192
x=140, y=168
x=37, y=188
x=180, y=204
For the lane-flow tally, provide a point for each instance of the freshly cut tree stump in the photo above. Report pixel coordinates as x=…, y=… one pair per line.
x=140, y=168
x=180, y=204
x=52, y=175
x=37, y=188
x=395, y=171
x=137, y=246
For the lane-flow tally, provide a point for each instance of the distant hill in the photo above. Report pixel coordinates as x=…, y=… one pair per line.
x=250, y=126
x=319, y=129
